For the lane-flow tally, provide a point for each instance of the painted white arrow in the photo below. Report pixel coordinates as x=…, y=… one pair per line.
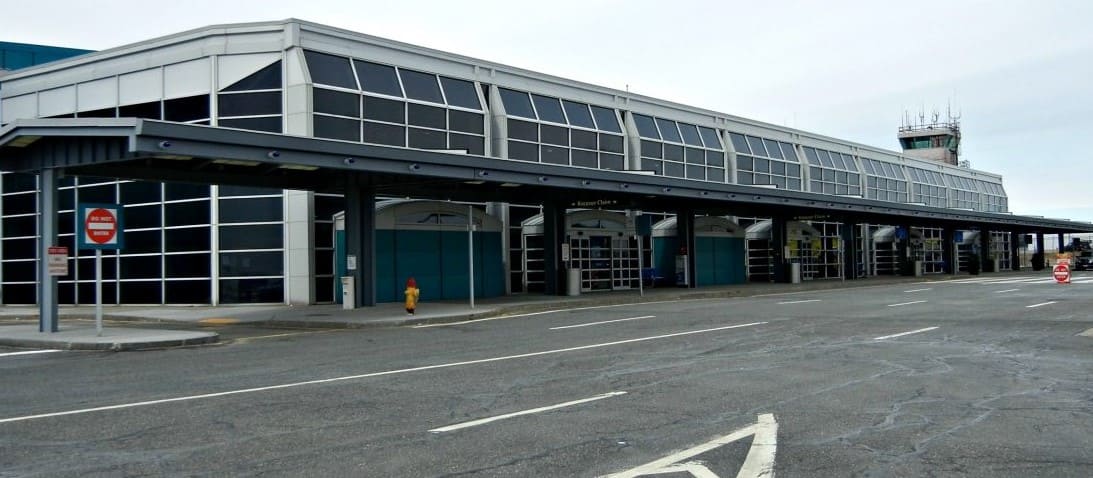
x=758, y=464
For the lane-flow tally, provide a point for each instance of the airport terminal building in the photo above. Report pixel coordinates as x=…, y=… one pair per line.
x=470, y=170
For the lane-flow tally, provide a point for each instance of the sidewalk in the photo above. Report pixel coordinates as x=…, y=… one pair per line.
x=80, y=334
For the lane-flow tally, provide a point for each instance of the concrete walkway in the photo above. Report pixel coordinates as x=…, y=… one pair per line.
x=19, y=324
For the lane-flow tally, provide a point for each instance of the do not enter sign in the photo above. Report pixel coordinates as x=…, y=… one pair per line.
x=1062, y=274
x=100, y=225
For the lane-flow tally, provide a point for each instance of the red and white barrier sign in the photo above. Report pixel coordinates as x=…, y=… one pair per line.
x=1062, y=274
x=57, y=258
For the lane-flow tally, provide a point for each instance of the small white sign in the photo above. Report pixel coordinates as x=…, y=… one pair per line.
x=58, y=261
x=565, y=252
x=351, y=263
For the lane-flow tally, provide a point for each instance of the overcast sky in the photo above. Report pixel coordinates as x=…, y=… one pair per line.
x=1018, y=72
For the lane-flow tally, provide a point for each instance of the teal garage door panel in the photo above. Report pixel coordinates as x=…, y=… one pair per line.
x=388, y=287
x=417, y=255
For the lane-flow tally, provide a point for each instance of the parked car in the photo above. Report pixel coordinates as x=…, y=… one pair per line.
x=1083, y=262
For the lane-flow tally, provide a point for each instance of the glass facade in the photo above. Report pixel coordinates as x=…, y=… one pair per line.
x=761, y=161
x=928, y=187
x=963, y=193
x=199, y=244
x=884, y=181
x=184, y=243
x=680, y=150
x=362, y=101
x=832, y=173
x=545, y=129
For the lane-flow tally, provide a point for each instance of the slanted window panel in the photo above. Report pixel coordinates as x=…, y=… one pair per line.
x=850, y=165
x=710, y=137
x=330, y=70
x=606, y=119
x=249, y=104
x=517, y=103
x=788, y=152
x=549, y=109
x=669, y=131
x=268, y=78
x=690, y=134
x=757, y=147
x=336, y=102
x=427, y=116
x=811, y=157
x=647, y=128
x=578, y=114
x=461, y=93
x=377, y=78
x=186, y=109
x=103, y=113
x=151, y=110
x=421, y=86
x=379, y=133
x=739, y=143
x=337, y=128
x=384, y=110
x=773, y=150
x=270, y=124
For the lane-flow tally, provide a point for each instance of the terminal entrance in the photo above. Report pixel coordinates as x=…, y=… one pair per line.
x=606, y=262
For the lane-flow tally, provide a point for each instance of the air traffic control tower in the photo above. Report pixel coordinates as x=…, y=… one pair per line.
x=934, y=141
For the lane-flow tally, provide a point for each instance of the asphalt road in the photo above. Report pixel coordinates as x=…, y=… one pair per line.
x=959, y=378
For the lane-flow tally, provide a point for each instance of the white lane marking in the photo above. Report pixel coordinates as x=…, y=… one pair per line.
x=1038, y=305
x=1007, y=290
x=765, y=431
x=799, y=301
x=243, y=340
x=906, y=303
x=483, y=421
x=28, y=352
x=375, y=374
x=529, y=314
x=603, y=322
x=927, y=329
x=760, y=460
x=916, y=290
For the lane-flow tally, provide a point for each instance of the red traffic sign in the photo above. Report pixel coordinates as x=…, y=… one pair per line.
x=1062, y=274
x=101, y=225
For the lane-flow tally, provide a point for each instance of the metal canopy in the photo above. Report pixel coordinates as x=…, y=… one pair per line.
x=132, y=148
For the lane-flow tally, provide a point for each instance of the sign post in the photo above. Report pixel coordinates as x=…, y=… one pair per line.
x=101, y=226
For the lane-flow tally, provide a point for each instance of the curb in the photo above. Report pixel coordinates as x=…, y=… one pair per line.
x=110, y=346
